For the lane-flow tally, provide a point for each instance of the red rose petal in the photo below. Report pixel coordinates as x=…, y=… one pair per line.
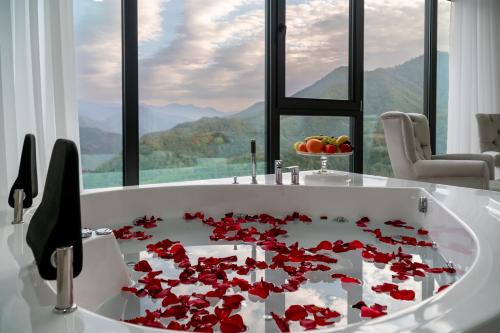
x=423, y=232
x=348, y=279
x=367, y=312
x=385, y=288
x=443, y=287
x=345, y=279
x=130, y=289
x=404, y=295
x=176, y=311
x=259, y=289
x=232, y=324
x=282, y=323
x=359, y=305
x=232, y=301
x=362, y=222
x=142, y=266
x=308, y=324
x=295, y=313
x=355, y=244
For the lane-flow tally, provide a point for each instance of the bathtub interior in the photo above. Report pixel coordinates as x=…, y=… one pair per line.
x=105, y=259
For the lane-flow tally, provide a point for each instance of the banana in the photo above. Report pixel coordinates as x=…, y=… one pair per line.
x=332, y=140
x=342, y=139
x=318, y=137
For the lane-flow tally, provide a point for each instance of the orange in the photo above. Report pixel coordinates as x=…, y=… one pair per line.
x=314, y=146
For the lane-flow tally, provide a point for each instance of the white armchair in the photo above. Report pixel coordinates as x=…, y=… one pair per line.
x=407, y=138
x=489, y=136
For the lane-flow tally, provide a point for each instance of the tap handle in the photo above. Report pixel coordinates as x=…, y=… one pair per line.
x=252, y=146
x=295, y=174
x=278, y=172
x=294, y=169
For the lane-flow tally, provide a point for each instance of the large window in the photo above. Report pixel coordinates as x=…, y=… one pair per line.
x=99, y=90
x=201, y=88
x=394, y=71
x=198, y=85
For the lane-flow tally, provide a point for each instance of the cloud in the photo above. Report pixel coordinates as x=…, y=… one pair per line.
x=150, y=19
x=211, y=53
x=216, y=59
x=98, y=50
x=99, y=47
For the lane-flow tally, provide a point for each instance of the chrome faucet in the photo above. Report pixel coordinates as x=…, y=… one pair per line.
x=18, y=206
x=254, y=162
x=64, y=264
x=278, y=172
x=295, y=172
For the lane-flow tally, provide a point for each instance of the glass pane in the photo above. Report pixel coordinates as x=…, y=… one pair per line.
x=394, y=71
x=444, y=15
x=201, y=88
x=296, y=128
x=99, y=90
x=317, y=49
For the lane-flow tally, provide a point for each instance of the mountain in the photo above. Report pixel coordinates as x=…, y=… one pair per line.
x=395, y=88
x=96, y=141
x=108, y=117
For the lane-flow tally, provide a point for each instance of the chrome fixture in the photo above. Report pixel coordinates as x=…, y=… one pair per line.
x=423, y=205
x=18, y=206
x=64, y=265
x=278, y=172
x=235, y=180
x=86, y=233
x=294, y=174
x=103, y=231
x=340, y=219
x=254, y=161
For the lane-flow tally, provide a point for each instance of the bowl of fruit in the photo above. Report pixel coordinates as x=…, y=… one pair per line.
x=324, y=146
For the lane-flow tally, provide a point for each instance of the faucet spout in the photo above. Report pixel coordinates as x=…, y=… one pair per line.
x=64, y=263
x=18, y=206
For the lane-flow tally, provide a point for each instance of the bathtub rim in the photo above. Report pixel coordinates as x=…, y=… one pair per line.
x=354, y=326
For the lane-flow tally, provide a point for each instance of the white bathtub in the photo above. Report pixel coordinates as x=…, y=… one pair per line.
x=465, y=233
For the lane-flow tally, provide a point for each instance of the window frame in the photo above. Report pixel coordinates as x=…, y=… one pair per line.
x=277, y=104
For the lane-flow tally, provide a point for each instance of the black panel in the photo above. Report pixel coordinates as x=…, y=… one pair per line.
x=430, y=67
x=27, y=179
x=130, y=94
x=57, y=221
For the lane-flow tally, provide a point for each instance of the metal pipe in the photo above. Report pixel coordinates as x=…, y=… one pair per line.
x=278, y=172
x=18, y=206
x=254, y=161
x=64, y=262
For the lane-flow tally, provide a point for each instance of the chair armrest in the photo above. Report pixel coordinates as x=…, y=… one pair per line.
x=470, y=157
x=451, y=169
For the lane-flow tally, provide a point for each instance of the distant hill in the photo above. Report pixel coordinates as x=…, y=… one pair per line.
x=96, y=141
x=215, y=135
x=108, y=117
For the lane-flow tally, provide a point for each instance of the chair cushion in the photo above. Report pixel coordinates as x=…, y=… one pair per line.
x=422, y=136
x=489, y=132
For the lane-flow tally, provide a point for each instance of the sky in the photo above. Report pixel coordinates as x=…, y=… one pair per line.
x=210, y=53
